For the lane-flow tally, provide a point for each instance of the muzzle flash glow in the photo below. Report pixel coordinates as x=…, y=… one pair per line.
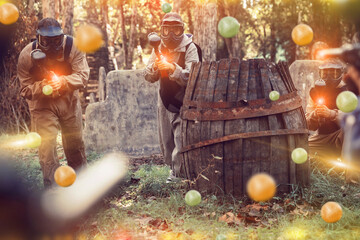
x=321, y=101
x=54, y=77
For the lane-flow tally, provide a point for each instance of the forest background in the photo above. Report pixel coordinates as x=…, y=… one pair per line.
x=265, y=31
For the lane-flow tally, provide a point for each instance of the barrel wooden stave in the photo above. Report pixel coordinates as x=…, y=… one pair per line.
x=232, y=149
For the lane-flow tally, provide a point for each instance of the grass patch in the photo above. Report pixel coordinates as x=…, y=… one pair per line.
x=330, y=186
x=152, y=181
x=144, y=206
x=166, y=216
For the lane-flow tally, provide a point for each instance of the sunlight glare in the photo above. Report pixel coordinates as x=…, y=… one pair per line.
x=295, y=233
x=91, y=185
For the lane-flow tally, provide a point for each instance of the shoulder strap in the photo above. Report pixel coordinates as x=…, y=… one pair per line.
x=198, y=50
x=344, y=88
x=68, y=46
x=34, y=44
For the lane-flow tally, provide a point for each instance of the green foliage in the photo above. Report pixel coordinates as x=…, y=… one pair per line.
x=203, y=221
x=153, y=180
x=167, y=204
x=14, y=113
x=330, y=186
x=93, y=157
x=30, y=172
x=266, y=25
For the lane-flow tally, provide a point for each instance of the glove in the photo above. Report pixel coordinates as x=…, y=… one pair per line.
x=163, y=65
x=58, y=84
x=313, y=115
x=324, y=112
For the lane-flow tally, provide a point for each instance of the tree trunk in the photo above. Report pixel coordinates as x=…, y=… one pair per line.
x=104, y=19
x=264, y=42
x=31, y=7
x=123, y=32
x=177, y=6
x=272, y=32
x=57, y=9
x=205, y=27
x=50, y=8
x=233, y=46
x=189, y=15
x=297, y=54
x=101, y=57
x=92, y=14
x=116, y=32
x=68, y=16
x=132, y=36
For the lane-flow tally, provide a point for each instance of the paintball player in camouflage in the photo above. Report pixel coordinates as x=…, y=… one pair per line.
x=178, y=52
x=322, y=114
x=60, y=110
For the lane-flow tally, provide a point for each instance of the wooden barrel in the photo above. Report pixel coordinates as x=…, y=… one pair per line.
x=232, y=130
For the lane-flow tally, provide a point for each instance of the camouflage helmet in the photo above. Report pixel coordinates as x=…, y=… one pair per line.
x=172, y=30
x=331, y=72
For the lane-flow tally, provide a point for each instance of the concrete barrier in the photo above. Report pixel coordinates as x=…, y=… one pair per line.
x=127, y=119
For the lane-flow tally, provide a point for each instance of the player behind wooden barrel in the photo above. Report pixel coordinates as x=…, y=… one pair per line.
x=322, y=114
x=351, y=121
x=170, y=62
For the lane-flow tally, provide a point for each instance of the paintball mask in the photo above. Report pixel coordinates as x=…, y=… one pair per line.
x=172, y=30
x=50, y=38
x=331, y=73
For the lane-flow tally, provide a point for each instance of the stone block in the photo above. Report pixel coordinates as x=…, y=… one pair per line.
x=127, y=119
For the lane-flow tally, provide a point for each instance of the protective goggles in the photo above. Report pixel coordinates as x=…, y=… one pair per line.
x=178, y=30
x=51, y=42
x=331, y=73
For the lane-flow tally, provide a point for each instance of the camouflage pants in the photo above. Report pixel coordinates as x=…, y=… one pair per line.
x=326, y=147
x=66, y=116
x=170, y=137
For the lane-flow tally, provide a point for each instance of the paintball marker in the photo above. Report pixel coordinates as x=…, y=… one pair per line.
x=155, y=41
x=38, y=57
x=349, y=53
x=318, y=94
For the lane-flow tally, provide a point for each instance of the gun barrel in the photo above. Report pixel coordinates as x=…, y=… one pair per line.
x=331, y=52
x=155, y=41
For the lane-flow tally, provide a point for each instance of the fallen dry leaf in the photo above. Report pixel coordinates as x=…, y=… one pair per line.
x=171, y=236
x=144, y=220
x=121, y=234
x=179, y=222
x=357, y=195
x=277, y=208
x=158, y=223
x=155, y=222
x=252, y=220
x=230, y=218
x=209, y=215
x=256, y=206
x=255, y=213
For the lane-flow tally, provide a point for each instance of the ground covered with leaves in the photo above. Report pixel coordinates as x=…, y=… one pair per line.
x=145, y=206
